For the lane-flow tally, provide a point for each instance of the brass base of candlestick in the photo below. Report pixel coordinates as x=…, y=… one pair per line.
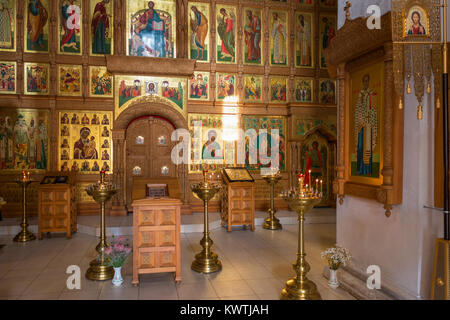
x=206, y=263
x=304, y=290
x=24, y=236
x=272, y=222
x=98, y=271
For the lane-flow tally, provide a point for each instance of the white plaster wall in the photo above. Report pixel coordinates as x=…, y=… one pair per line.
x=359, y=9
x=403, y=244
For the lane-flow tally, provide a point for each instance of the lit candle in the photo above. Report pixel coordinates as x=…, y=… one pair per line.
x=309, y=180
x=317, y=186
x=321, y=187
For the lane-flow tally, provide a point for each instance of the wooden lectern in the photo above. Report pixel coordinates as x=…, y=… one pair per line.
x=238, y=198
x=57, y=207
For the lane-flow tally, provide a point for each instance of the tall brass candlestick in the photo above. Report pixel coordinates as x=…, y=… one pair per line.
x=272, y=222
x=300, y=287
x=102, y=193
x=206, y=261
x=24, y=235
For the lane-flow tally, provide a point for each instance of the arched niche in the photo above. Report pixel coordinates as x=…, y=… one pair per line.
x=303, y=153
x=146, y=106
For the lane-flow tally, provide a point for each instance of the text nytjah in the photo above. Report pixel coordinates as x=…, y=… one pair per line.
x=232, y=309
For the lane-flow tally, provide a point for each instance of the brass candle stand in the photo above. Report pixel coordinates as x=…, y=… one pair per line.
x=272, y=222
x=24, y=235
x=101, y=193
x=206, y=261
x=300, y=287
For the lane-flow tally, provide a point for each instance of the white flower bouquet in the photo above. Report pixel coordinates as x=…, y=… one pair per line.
x=336, y=257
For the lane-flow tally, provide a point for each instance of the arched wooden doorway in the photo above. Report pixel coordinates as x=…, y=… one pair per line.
x=150, y=117
x=148, y=149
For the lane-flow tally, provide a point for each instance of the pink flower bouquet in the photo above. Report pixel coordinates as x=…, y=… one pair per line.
x=117, y=251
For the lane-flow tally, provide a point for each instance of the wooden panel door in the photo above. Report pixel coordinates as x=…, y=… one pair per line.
x=148, y=153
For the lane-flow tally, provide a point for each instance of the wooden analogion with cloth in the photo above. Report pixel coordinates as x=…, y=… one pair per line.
x=238, y=198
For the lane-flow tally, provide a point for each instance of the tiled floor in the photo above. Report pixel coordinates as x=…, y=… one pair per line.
x=255, y=266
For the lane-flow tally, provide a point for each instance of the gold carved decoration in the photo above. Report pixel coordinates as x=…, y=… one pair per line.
x=356, y=49
x=422, y=54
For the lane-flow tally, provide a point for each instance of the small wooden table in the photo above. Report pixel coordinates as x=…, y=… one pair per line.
x=156, y=237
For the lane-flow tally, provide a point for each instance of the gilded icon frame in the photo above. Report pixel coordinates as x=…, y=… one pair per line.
x=46, y=66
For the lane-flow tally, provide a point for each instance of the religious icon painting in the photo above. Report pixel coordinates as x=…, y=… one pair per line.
x=328, y=3
x=253, y=85
x=416, y=22
x=365, y=114
x=327, y=28
x=327, y=91
x=304, y=35
x=101, y=27
x=85, y=143
x=173, y=90
x=303, y=91
x=263, y=140
x=128, y=88
x=253, y=36
x=36, y=78
x=70, y=27
x=279, y=35
x=225, y=86
x=226, y=33
x=199, y=86
x=101, y=82
x=278, y=89
x=199, y=31
x=305, y=2
x=8, y=77
x=69, y=80
x=8, y=25
x=24, y=140
x=36, y=25
x=151, y=87
x=151, y=28
x=315, y=162
x=208, y=150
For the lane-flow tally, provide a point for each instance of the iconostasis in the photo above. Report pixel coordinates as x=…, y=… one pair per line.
x=55, y=74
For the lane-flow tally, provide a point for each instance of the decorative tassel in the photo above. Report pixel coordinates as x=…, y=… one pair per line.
x=429, y=88
x=400, y=104
x=438, y=103
x=419, y=112
x=408, y=89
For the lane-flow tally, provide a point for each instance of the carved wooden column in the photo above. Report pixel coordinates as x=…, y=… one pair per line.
x=239, y=52
x=213, y=54
x=340, y=167
x=119, y=27
x=118, y=201
x=291, y=50
x=182, y=29
x=385, y=194
x=266, y=58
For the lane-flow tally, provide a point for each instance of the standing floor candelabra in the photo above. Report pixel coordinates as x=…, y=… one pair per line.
x=206, y=261
x=272, y=222
x=24, y=235
x=300, y=287
x=101, y=193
